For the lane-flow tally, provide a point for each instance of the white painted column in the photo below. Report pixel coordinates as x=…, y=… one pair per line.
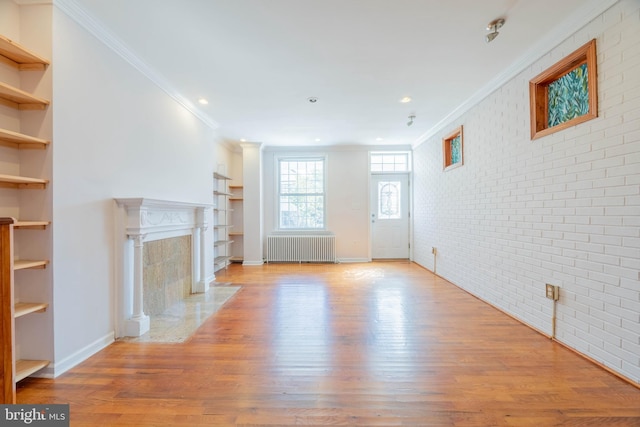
x=196, y=277
x=201, y=283
x=139, y=322
x=252, y=195
x=203, y=264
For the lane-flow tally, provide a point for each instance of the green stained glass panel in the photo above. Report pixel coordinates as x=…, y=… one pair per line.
x=569, y=96
x=456, y=152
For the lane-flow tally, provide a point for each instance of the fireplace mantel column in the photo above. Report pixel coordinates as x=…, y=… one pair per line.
x=139, y=322
x=202, y=225
x=200, y=282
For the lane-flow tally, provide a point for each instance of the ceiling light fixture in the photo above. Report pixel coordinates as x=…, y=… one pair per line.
x=405, y=99
x=493, y=26
x=411, y=117
x=203, y=101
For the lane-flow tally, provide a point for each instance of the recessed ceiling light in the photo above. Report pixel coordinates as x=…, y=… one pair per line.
x=378, y=139
x=318, y=140
x=203, y=101
x=405, y=99
x=243, y=140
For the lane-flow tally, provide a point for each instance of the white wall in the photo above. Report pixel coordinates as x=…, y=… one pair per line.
x=564, y=209
x=116, y=134
x=347, y=196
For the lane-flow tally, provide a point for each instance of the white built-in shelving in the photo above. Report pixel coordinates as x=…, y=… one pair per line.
x=221, y=219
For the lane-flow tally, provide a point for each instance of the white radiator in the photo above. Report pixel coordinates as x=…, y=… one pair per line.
x=301, y=248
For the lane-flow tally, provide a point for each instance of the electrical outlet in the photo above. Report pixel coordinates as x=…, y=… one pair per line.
x=552, y=292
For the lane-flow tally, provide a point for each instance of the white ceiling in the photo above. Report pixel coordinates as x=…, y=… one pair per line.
x=258, y=61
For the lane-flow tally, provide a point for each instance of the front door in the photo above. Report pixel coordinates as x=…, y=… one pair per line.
x=390, y=216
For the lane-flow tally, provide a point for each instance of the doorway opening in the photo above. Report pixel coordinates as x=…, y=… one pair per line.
x=389, y=205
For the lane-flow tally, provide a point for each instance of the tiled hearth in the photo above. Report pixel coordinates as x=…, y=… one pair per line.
x=180, y=321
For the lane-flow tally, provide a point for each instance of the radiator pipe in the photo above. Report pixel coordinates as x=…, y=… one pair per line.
x=434, y=251
x=553, y=320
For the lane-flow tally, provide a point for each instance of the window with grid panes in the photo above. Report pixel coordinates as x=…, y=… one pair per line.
x=301, y=193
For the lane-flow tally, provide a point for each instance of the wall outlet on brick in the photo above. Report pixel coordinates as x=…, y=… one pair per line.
x=552, y=292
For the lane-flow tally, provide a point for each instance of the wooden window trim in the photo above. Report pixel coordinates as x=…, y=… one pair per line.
x=539, y=91
x=446, y=150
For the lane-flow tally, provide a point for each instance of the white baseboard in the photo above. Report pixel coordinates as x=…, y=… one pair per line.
x=352, y=260
x=58, y=368
x=210, y=281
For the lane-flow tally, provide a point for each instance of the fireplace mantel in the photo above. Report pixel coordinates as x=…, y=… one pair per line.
x=140, y=220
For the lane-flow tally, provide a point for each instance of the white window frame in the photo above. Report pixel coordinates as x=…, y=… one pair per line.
x=406, y=154
x=315, y=157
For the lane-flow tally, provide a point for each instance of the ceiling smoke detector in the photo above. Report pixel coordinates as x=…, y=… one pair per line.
x=312, y=99
x=493, y=26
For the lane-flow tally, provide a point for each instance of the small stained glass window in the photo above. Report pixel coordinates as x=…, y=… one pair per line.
x=452, y=149
x=565, y=94
x=569, y=96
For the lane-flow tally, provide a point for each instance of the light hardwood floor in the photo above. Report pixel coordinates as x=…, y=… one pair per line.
x=379, y=344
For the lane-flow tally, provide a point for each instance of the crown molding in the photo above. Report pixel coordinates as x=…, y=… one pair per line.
x=78, y=14
x=550, y=41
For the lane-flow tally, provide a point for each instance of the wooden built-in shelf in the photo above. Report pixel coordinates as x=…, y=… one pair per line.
x=18, y=56
x=24, y=308
x=16, y=59
x=24, y=368
x=222, y=242
x=236, y=233
x=23, y=264
x=13, y=181
x=31, y=225
x=19, y=99
x=13, y=139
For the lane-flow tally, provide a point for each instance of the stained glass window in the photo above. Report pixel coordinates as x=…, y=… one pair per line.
x=569, y=96
x=456, y=152
x=389, y=200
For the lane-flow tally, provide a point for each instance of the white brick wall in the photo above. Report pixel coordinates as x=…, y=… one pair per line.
x=563, y=209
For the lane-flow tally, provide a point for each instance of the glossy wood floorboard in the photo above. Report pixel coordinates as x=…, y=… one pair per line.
x=378, y=344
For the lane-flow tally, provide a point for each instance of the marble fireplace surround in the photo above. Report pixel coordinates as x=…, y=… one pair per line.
x=140, y=220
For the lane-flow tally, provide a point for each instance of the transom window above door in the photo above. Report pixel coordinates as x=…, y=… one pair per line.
x=390, y=162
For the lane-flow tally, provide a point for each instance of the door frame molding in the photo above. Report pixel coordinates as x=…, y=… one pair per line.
x=409, y=176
